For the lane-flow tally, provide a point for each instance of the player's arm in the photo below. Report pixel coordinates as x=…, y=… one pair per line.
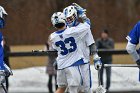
x=50, y=42
x=52, y=48
x=131, y=49
x=90, y=42
x=96, y=58
x=133, y=40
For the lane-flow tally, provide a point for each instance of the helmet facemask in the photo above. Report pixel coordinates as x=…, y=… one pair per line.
x=71, y=20
x=71, y=15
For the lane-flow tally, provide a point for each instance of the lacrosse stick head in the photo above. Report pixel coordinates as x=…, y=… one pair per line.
x=100, y=89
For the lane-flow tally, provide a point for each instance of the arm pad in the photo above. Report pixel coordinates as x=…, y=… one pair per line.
x=131, y=49
x=93, y=49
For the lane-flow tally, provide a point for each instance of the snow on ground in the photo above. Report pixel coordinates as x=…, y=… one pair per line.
x=35, y=80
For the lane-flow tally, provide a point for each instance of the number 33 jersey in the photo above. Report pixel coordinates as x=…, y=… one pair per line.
x=68, y=44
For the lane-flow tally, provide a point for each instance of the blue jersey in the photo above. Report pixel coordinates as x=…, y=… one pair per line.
x=134, y=35
x=1, y=53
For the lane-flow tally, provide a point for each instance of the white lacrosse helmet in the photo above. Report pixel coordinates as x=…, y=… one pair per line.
x=70, y=13
x=2, y=12
x=57, y=18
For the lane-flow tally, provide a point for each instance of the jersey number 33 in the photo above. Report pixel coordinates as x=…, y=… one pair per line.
x=64, y=49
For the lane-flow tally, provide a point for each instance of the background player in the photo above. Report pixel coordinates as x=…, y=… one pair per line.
x=4, y=69
x=133, y=40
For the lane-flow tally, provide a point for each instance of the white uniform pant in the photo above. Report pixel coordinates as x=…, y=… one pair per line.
x=76, y=78
x=86, y=76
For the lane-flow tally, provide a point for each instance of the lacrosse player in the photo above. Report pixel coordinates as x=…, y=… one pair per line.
x=133, y=40
x=87, y=44
x=72, y=15
x=4, y=69
x=68, y=42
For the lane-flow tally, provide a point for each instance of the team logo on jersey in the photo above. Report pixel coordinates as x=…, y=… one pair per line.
x=61, y=36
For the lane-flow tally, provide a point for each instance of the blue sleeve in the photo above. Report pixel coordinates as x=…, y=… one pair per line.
x=134, y=34
x=88, y=21
x=1, y=53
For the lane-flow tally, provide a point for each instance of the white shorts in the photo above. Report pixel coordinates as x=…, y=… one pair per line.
x=86, y=76
x=75, y=76
x=70, y=76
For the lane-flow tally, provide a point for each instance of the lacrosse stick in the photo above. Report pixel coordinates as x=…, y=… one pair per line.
x=120, y=65
x=4, y=88
x=100, y=88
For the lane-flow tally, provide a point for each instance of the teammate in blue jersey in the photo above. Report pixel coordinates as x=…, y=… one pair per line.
x=133, y=40
x=4, y=69
x=2, y=24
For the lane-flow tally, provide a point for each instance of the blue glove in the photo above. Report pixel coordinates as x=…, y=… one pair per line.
x=80, y=11
x=97, y=64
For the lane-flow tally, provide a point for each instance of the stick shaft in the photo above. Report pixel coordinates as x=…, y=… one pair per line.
x=99, y=81
x=120, y=65
x=4, y=88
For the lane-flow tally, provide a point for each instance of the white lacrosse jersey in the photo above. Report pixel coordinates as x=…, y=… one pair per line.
x=68, y=44
x=86, y=42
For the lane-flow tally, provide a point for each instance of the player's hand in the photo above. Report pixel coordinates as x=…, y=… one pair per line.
x=80, y=11
x=2, y=76
x=2, y=73
x=7, y=71
x=138, y=63
x=97, y=64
